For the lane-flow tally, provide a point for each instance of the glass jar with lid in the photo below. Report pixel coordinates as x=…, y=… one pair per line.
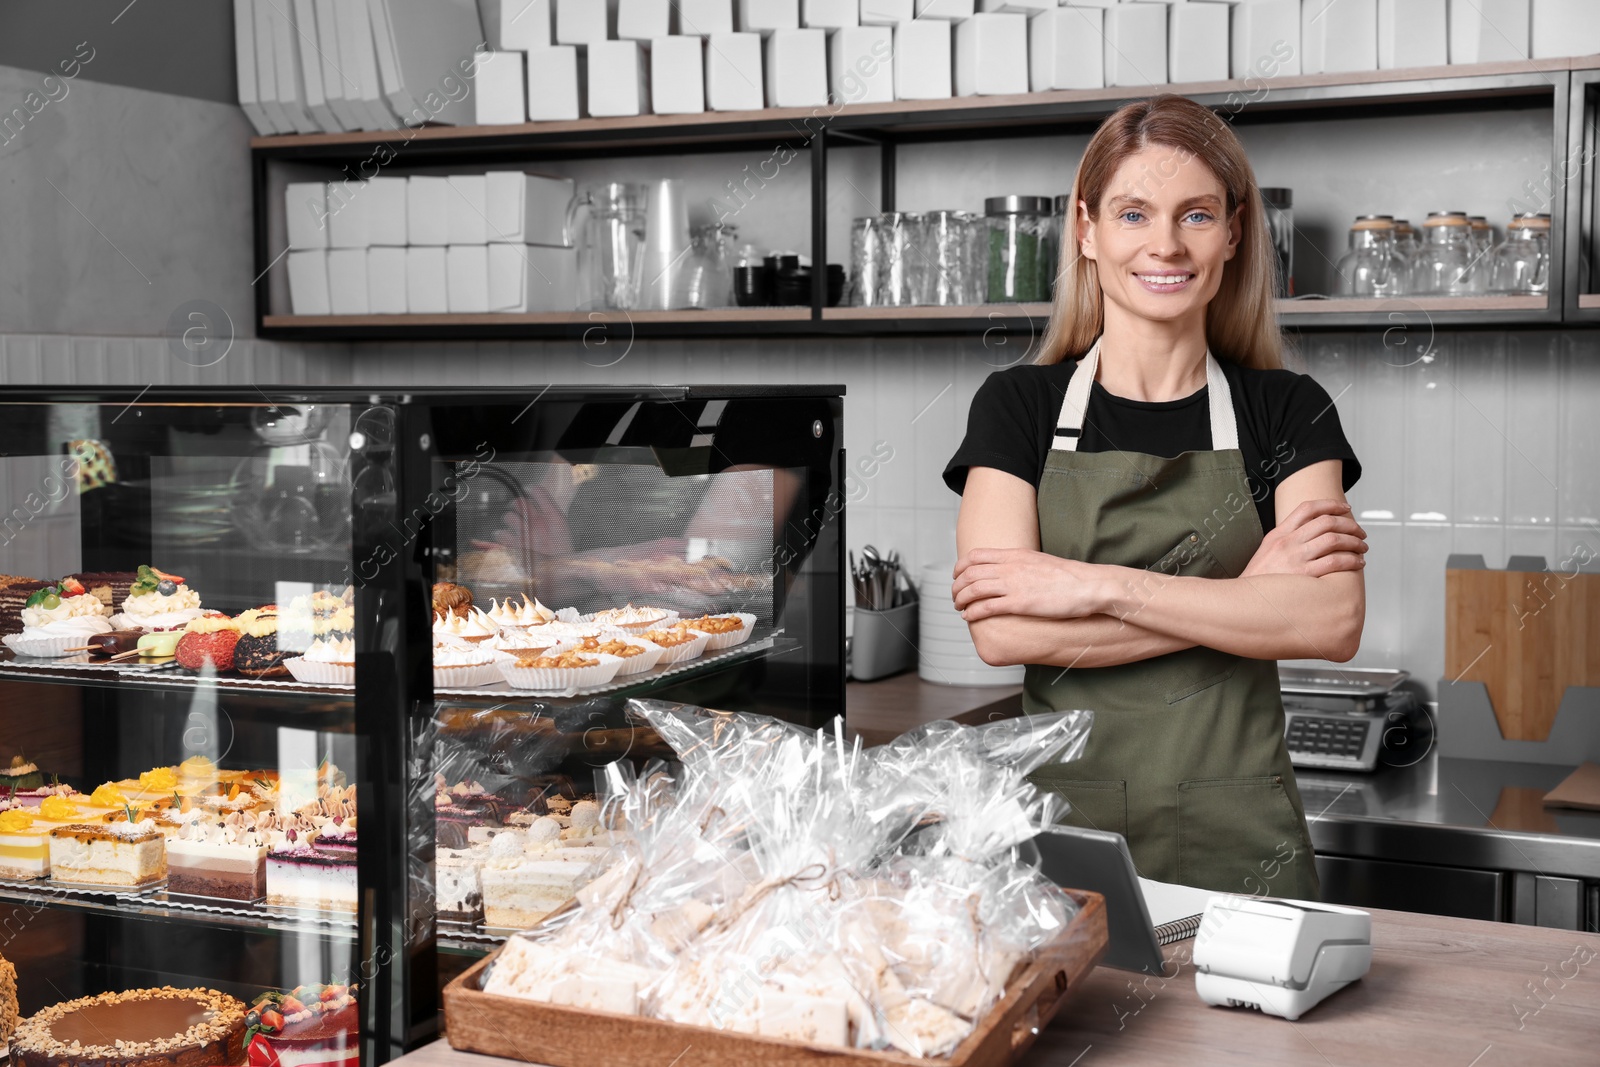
x=1445, y=265
x=1373, y=266
x=1406, y=241
x=1520, y=266
x=1020, y=242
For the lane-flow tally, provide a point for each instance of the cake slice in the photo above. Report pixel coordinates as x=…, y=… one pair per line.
x=225, y=859
x=130, y=854
x=458, y=882
x=24, y=846
x=303, y=876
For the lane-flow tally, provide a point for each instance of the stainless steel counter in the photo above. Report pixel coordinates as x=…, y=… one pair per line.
x=1456, y=837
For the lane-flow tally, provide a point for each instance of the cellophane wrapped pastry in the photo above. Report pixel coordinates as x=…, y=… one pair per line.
x=780, y=882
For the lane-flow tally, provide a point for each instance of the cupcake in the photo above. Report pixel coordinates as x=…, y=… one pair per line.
x=20, y=775
x=635, y=619
x=157, y=601
x=470, y=627
x=456, y=666
x=209, y=639
x=520, y=616
x=331, y=662
x=58, y=620
x=257, y=654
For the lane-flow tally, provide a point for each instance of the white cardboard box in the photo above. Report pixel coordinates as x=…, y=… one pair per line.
x=527, y=208
x=992, y=55
x=1136, y=44
x=1487, y=31
x=764, y=16
x=1266, y=38
x=1066, y=49
x=702, y=18
x=830, y=14
x=308, y=282
x=643, y=20
x=678, y=75
x=797, y=68
x=585, y=22
x=466, y=210
x=886, y=12
x=922, y=60
x=386, y=212
x=467, y=279
x=1412, y=33
x=427, y=281
x=347, y=281
x=861, y=64
x=619, y=78
x=347, y=214
x=950, y=10
x=526, y=24
x=527, y=278
x=556, y=88
x=305, y=209
x=1197, y=42
x=386, y=281
x=428, y=210
x=1564, y=28
x=501, y=91
x=1339, y=36
x=733, y=72
x=1018, y=7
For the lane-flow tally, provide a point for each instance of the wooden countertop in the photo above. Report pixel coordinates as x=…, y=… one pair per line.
x=1442, y=991
x=883, y=710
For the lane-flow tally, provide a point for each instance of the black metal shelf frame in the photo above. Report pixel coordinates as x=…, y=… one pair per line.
x=1572, y=96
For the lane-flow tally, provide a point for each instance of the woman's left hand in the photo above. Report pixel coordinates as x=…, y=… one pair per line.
x=1023, y=581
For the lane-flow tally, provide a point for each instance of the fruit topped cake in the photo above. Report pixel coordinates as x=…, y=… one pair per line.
x=14, y=593
x=20, y=775
x=163, y=1027
x=309, y=1026
x=58, y=619
x=157, y=601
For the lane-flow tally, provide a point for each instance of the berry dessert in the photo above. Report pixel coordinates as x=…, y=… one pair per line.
x=58, y=620
x=157, y=601
x=309, y=1026
x=208, y=639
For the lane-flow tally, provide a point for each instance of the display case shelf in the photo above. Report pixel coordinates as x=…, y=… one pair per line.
x=155, y=904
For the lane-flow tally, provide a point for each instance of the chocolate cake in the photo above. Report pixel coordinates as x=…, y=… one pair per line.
x=110, y=587
x=14, y=594
x=163, y=1027
x=257, y=653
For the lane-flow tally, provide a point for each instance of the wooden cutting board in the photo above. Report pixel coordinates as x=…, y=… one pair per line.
x=1526, y=635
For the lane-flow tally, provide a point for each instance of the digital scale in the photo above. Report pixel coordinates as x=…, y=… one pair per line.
x=1335, y=718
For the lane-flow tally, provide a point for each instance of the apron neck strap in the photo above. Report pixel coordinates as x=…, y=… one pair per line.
x=1069, y=426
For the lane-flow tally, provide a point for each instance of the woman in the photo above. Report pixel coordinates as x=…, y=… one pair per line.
x=1114, y=500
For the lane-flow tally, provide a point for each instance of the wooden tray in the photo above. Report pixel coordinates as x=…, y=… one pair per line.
x=535, y=1032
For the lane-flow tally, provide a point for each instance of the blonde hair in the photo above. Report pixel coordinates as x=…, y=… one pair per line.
x=1241, y=320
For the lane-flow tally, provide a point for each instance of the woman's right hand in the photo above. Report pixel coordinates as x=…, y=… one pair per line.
x=1318, y=537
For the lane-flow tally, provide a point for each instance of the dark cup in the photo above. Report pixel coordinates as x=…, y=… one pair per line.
x=835, y=284
x=751, y=287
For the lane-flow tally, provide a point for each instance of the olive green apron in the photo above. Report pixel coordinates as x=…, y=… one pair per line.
x=1186, y=758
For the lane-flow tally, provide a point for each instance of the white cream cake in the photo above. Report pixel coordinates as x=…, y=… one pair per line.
x=108, y=854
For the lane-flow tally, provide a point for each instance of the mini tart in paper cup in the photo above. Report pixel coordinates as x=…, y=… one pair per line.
x=600, y=670
x=514, y=646
x=633, y=619
x=648, y=656
x=683, y=650
x=45, y=646
x=320, y=672
x=456, y=668
x=725, y=638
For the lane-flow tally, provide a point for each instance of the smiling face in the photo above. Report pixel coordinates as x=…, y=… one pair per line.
x=1162, y=236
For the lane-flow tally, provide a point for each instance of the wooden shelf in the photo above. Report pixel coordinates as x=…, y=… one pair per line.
x=973, y=114
x=1589, y=300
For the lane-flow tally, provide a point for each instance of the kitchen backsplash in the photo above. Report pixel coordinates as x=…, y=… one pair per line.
x=1480, y=442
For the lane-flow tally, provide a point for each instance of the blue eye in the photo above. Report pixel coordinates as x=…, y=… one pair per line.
x=1203, y=215
x=1125, y=214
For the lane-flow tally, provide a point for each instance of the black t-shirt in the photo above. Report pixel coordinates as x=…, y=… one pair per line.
x=1287, y=422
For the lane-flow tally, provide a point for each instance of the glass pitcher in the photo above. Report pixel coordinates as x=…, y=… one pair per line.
x=1373, y=266
x=610, y=245
x=1521, y=264
x=1446, y=265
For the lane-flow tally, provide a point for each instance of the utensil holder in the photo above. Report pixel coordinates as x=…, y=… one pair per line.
x=883, y=642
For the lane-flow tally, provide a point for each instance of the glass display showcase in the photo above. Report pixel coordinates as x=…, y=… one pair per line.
x=239, y=624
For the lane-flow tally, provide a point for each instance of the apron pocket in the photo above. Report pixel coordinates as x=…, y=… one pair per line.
x=1243, y=835
x=1099, y=805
